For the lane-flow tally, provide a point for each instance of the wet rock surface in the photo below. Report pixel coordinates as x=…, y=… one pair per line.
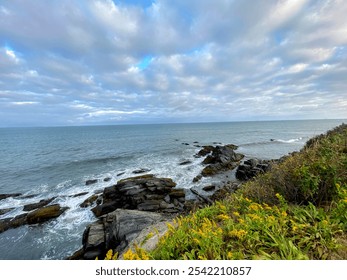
x=37, y=216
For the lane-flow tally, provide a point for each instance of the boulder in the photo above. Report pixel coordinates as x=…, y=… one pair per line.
x=45, y=213
x=209, y=188
x=91, y=181
x=107, y=179
x=115, y=231
x=41, y=203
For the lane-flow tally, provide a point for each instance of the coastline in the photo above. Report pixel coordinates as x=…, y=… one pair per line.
x=220, y=159
x=300, y=217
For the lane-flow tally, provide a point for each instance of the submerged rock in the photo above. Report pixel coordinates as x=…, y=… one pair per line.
x=7, y=195
x=6, y=210
x=37, y=216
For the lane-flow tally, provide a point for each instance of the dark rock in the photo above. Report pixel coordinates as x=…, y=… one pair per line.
x=144, y=192
x=89, y=201
x=6, y=210
x=142, y=170
x=252, y=167
x=209, y=188
x=115, y=230
x=91, y=181
x=197, y=178
x=41, y=203
x=79, y=194
x=205, y=151
x=28, y=196
x=107, y=179
x=120, y=174
x=45, y=213
x=78, y=255
x=187, y=144
x=15, y=222
x=4, y=196
x=185, y=162
x=222, y=158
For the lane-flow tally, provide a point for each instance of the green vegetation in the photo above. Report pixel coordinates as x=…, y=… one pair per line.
x=296, y=211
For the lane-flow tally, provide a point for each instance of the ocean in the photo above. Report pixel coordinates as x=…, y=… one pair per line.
x=57, y=161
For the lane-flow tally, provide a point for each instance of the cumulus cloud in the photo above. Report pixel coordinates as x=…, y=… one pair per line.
x=90, y=62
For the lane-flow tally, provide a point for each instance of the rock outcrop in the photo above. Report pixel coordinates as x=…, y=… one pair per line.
x=115, y=231
x=219, y=159
x=41, y=203
x=252, y=167
x=145, y=193
x=34, y=217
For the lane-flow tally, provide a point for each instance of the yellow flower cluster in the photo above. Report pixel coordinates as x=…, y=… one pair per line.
x=238, y=233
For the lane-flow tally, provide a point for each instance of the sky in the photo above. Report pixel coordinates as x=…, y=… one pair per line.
x=88, y=62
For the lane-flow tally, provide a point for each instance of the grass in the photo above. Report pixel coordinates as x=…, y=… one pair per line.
x=298, y=210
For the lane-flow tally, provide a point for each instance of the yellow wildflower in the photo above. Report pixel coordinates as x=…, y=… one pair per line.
x=237, y=214
x=229, y=255
x=223, y=217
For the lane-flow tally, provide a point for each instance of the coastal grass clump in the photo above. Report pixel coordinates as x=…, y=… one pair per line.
x=296, y=211
x=309, y=176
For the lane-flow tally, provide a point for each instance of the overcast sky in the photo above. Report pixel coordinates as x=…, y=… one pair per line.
x=81, y=62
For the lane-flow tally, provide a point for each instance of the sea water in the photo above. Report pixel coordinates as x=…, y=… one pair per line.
x=57, y=161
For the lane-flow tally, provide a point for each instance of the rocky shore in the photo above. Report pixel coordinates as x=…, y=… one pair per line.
x=126, y=212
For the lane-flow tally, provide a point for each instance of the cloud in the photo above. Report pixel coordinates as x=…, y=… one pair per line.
x=91, y=62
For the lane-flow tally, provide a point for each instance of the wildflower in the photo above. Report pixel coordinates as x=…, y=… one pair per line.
x=284, y=213
x=109, y=255
x=237, y=214
x=229, y=255
x=254, y=216
x=254, y=206
x=237, y=233
x=223, y=217
x=271, y=219
x=197, y=241
x=241, y=221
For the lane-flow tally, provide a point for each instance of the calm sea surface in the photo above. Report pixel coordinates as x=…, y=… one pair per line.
x=49, y=162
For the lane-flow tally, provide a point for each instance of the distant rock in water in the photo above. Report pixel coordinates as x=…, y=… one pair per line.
x=4, y=196
x=91, y=181
x=185, y=162
x=6, y=210
x=37, y=216
x=142, y=170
